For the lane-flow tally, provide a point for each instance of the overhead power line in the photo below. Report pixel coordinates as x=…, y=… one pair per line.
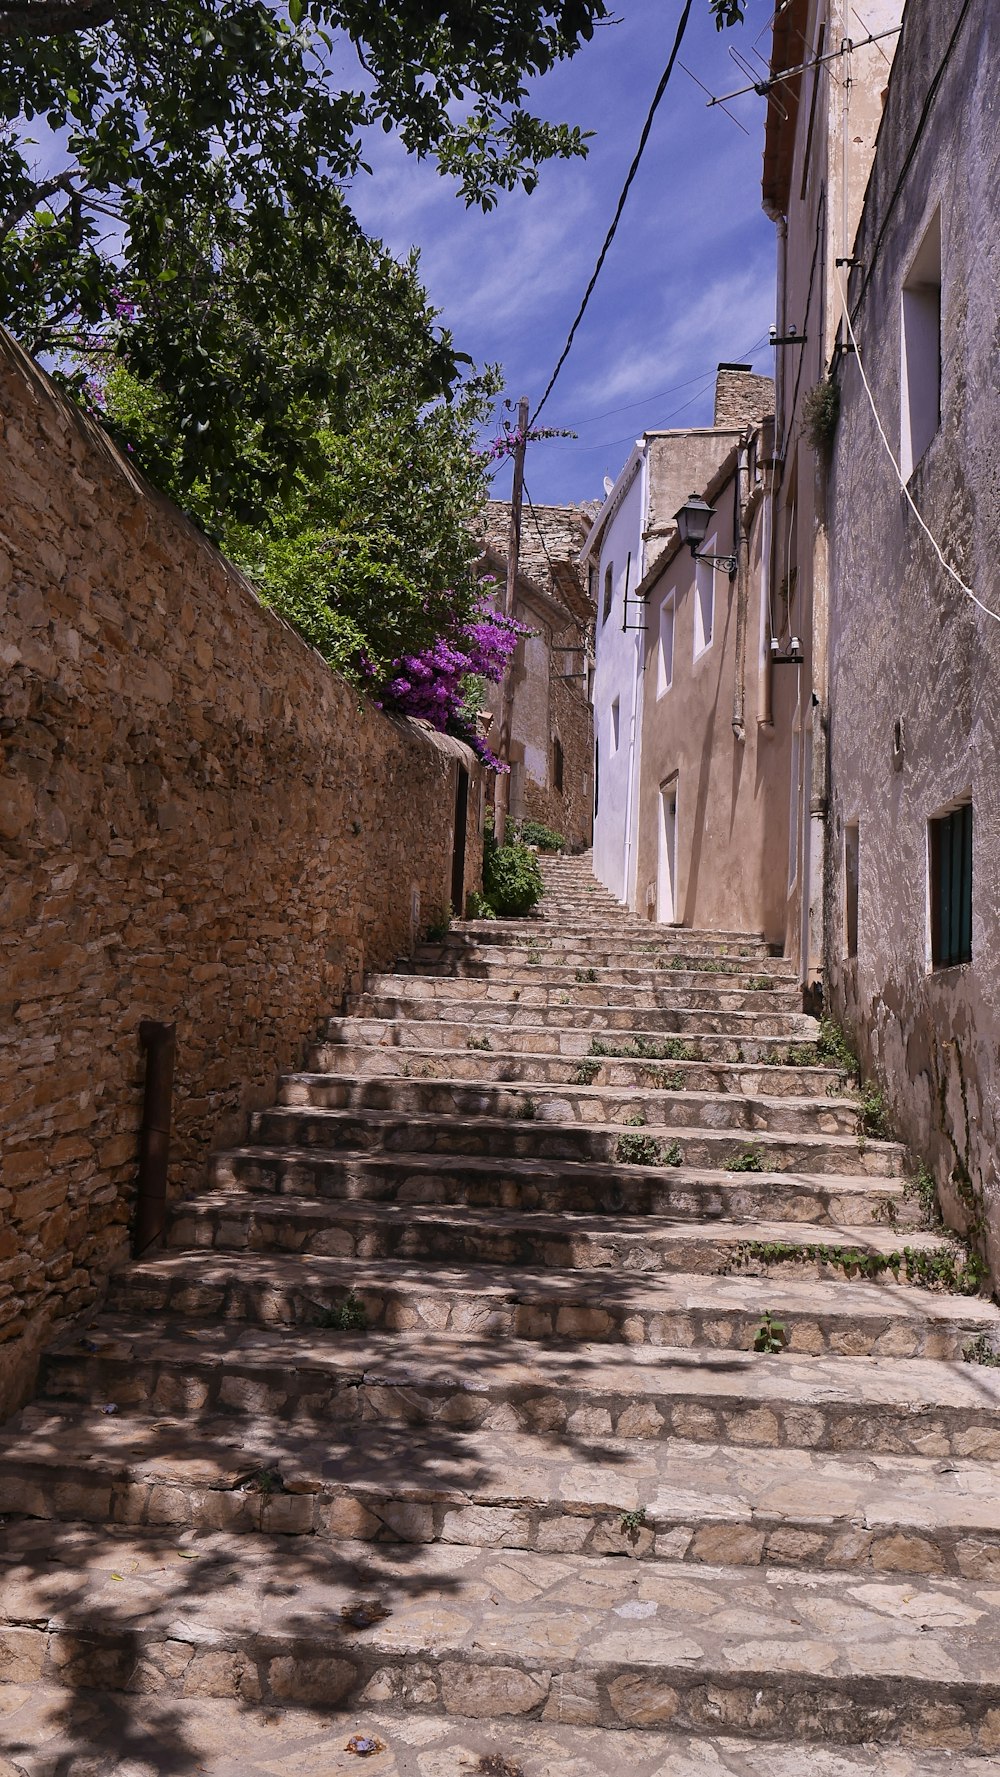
x=626, y=188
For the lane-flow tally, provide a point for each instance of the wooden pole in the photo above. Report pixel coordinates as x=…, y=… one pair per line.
x=501, y=802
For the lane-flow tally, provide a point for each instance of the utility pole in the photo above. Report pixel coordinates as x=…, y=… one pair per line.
x=501, y=801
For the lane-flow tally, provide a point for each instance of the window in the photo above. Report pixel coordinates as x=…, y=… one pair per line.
x=615, y=723
x=665, y=648
x=920, y=342
x=557, y=765
x=704, y=601
x=609, y=590
x=950, y=859
x=851, y=878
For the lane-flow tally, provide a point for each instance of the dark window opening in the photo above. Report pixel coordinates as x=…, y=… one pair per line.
x=951, y=887
x=851, y=874
x=557, y=765
x=609, y=591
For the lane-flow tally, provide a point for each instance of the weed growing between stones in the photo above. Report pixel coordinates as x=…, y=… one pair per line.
x=438, y=931
x=981, y=1351
x=759, y=983
x=955, y=1268
x=694, y=965
x=833, y=1048
x=644, y=1049
x=527, y=1110
x=585, y=1072
x=873, y=1114
x=923, y=1187
x=886, y=1211
x=586, y=974
x=635, y=1121
x=479, y=1043
x=665, y=1079
x=645, y=1150
x=349, y=1316
x=264, y=1481
x=477, y=906
x=747, y=1160
x=632, y=1523
x=534, y=955
x=770, y=1336
x=793, y=1055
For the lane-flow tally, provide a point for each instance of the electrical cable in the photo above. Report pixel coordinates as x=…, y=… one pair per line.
x=675, y=388
x=626, y=188
x=939, y=552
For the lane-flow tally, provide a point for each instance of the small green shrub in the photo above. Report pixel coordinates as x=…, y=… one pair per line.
x=673, y=1155
x=586, y=975
x=349, y=1316
x=535, y=833
x=833, y=1048
x=748, y=1160
x=924, y=1188
x=438, y=931
x=512, y=881
x=479, y=1043
x=527, y=1110
x=632, y=1523
x=477, y=906
x=873, y=1114
x=770, y=1336
x=981, y=1350
x=637, y=1150
x=635, y=1121
x=954, y=1268
x=821, y=412
x=586, y=1072
x=759, y=983
x=794, y=1055
x=644, y=1049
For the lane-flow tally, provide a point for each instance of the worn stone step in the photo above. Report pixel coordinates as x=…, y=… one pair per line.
x=587, y=929
x=901, y=1407
x=498, y=1302
x=536, y=1138
x=506, y=1067
x=634, y=1106
x=695, y=993
x=578, y=1187
x=481, y=1632
x=577, y=1041
x=616, y=1498
x=775, y=1026
x=634, y=969
x=234, y=1738
x=237, y=1222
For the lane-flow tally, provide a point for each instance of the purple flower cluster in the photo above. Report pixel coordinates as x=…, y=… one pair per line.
x=432, y=685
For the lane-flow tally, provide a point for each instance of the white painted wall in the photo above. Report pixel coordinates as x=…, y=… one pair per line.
x=617, y=675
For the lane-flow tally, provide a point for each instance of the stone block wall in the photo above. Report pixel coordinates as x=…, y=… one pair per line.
x=198, y=822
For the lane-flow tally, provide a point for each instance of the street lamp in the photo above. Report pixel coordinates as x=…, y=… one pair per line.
x=692, y=523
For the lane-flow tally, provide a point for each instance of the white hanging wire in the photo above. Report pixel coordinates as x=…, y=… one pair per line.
x=918, y=515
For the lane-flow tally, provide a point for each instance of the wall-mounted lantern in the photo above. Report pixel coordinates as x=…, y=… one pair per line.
x=692, y=523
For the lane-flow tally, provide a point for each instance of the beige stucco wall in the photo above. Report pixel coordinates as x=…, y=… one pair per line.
x=198, y=822
x=906, y=644
x=732, y=793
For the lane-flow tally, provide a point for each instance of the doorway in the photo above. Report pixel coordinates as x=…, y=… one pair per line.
x=666, y=866
x=458, y=856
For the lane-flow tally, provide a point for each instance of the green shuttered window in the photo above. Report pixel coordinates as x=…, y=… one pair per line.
x=951, y=888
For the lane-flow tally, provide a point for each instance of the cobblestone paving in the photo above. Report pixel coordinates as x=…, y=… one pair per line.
x=522, y=1408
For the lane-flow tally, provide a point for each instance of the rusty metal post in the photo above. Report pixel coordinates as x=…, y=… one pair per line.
x=160, y=1043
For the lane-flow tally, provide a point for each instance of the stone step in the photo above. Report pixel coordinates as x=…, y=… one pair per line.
x=506, y=1067
x=681, y=1104
x=459, y=1631
x=234, y=1738
x=900, y=1407
x=565, y=1039
x=386, y=1484
x=230, y=1221
x=506, y=1015
x=549, y=964
x=535, y=1138
x=676, y=1193
x=620, y=931
x=700, y=993
x=497, y=1302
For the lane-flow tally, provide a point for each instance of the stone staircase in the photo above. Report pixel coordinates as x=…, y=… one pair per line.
x=438, y=1420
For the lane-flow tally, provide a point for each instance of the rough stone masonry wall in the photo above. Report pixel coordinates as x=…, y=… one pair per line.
x=906, y=646
x=198, y=821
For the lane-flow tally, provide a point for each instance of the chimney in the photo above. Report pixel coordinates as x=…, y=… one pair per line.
x=741, y=398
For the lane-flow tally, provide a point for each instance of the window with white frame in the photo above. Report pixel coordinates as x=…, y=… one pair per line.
x=665, y=647
x=615, y=724
x=920, y=351
x=704, y=601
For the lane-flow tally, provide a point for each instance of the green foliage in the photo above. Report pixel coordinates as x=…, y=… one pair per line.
x=665, y=1079
x=586, y=1072
x=770, y=1336
x=954, y=1268
x=693, y=965
x=981, y=1350
x=635, y=1121
x=632, y=1522
x=820, y=412
x=349, y=1316
x=923, y=1187
x=834, y=1050
x=644, y=1049
x=527, y=1110
x=759, y=983
x=477, y=907
x=747, y=1160
x=645, y=1150
x=586, y=975
x=479, y=1043
x=512, y=881
x=438, y=931
x=534, y=833
x=873, y=1114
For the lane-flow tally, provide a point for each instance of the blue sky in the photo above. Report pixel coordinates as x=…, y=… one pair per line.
x=690, y=277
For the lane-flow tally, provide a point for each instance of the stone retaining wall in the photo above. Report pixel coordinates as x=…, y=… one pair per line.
x=198, y=822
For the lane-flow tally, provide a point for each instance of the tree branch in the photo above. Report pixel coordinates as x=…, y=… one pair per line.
x=52, y=18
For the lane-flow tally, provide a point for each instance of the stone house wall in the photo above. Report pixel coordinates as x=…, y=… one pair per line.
x=199, y=822
x=914, y=666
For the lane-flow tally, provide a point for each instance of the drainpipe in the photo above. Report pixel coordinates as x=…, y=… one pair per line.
x=160, y=1044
